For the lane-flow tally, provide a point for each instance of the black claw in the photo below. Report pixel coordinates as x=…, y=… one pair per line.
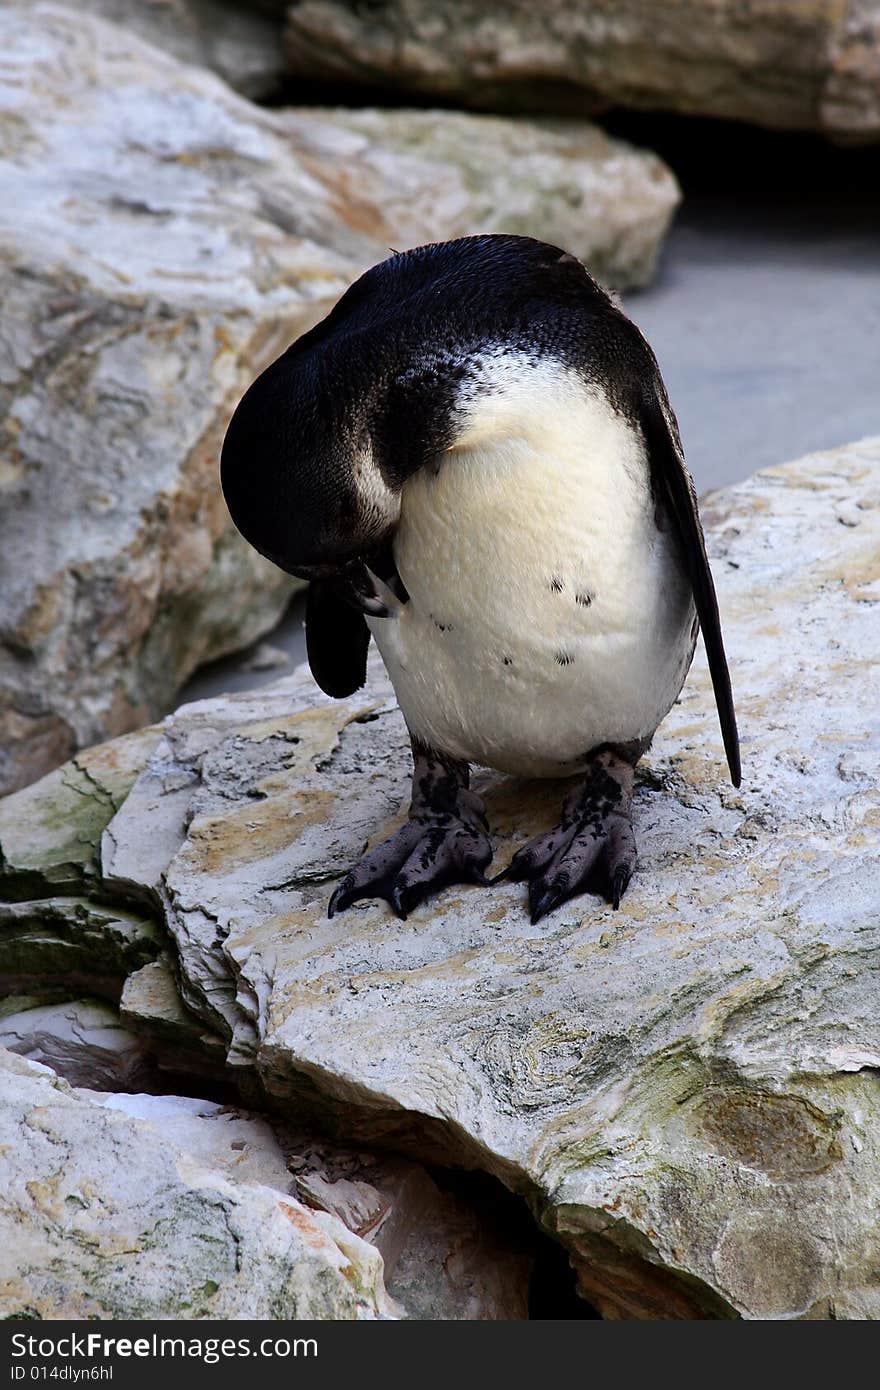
x=341, y=899
x=543, y=900
x=519, y=868
x=499, y=877
x=619, y=884
x=478, y=876
x=401, y=901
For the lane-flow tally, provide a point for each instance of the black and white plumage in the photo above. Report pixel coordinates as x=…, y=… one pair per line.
x=473, y=459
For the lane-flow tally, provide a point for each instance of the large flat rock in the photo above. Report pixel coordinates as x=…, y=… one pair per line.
x=161, y=240
x=786, y=64
x=685, y=1091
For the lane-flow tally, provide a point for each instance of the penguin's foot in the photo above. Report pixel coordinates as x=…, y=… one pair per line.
x=444, y=841
x=593, y=847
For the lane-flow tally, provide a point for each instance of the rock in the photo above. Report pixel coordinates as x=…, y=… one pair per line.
x=240, y=1144
x=445, y=1257
x=242, y=45
x=787, y=65
x=74, y=945
x=152, y=1008
x=683, y=1090
x=265, y=657
x=448, y=1260
x=123, y=1221
x=52, y=933
x=80, y=1039
x=50, y=832
x=564, y=181
x=151, y=266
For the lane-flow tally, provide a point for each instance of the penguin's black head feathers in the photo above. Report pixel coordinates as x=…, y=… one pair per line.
x=321, y=443
x=296, y=470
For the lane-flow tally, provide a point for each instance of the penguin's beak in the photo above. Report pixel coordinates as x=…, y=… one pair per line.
x=359, y=586
x=374, y=596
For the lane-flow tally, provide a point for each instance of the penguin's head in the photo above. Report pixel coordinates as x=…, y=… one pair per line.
x=298, y=468
x=321, y=444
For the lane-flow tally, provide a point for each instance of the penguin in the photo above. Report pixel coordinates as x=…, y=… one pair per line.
x=473, y=460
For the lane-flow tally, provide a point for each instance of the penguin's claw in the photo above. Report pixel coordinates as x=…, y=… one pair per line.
x=543, y=900
x=426, y=854
x=602, y=864
x=592, y=849
x=620, y=882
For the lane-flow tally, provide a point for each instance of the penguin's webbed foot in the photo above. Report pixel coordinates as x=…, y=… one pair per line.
x=592, y=848
x=444, y=841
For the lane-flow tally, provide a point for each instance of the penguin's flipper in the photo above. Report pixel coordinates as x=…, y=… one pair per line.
x=674, y=487
x=337, y=639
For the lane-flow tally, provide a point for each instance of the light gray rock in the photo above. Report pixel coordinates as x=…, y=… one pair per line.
x=236, y=1142
x=82, y=1040
x=564, y=181
x=789, y=64
x=684, y=1090
x=108, y=1213
x=161, y=240
x=151, y=1007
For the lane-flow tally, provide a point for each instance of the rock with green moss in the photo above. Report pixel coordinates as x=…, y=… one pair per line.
x=59, y=927
x=50, y=831
x=74, y=943
x=564, y=181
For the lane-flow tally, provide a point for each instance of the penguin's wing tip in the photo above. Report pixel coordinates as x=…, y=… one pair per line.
x=675, y=485
x=337, y=639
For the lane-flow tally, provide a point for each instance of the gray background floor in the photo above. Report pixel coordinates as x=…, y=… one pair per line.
x=765, y=313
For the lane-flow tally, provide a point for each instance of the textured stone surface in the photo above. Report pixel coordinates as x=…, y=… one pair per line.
x=50, y=831
x=151, y=1007
x=120, y=1210
x=58, y=928
x=82, y=1040
x=685, y=1091
x=445, y=1257
x=241, y=43
x=564, y=181
x=75, y=944
x=787, y=64
x=161, y=240
x=240, y=1144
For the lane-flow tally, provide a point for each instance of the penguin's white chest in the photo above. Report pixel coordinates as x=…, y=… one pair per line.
x=548, y=613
